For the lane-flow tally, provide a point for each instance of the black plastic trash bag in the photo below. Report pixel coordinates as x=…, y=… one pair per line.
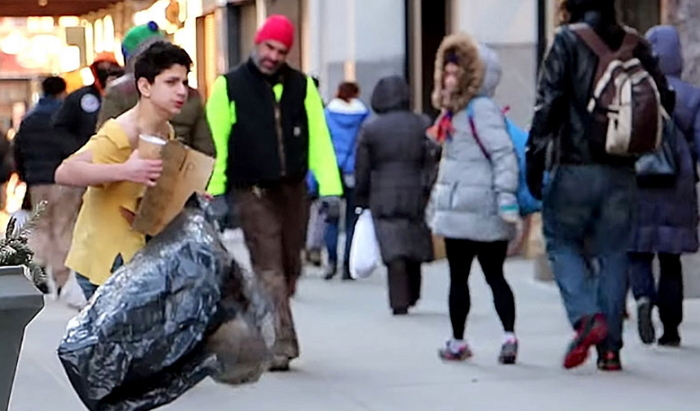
x=142, y=340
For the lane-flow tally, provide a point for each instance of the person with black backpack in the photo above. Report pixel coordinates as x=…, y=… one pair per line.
x=598, y=109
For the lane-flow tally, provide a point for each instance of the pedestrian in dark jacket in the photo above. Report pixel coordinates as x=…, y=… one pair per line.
x=588, y=204
x=667, y=218
x=392, y=159
x=38, y=151
x=344, y=116
x=77, y=117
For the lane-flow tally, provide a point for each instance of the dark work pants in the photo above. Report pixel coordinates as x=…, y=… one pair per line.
x=274, y=222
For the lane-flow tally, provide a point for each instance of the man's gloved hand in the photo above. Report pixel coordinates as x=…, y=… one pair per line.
x=331, y=205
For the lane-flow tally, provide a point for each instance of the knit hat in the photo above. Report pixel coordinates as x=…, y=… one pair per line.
x=278, y=28
x=137, y=35
x=105, y=56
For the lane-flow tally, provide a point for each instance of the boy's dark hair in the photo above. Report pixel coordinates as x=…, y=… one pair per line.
x=53, y=86
x=159, y=57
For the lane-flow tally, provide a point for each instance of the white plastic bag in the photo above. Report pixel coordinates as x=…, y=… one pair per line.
x=364, y=250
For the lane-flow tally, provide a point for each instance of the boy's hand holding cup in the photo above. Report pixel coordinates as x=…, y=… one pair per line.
x=145, y=165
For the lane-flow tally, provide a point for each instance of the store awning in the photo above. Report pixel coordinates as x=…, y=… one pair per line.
x=25, y=8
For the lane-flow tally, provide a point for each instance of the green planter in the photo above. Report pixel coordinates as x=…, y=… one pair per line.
x=20, y=302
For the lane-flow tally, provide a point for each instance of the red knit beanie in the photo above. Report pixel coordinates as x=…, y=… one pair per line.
x=278, y=28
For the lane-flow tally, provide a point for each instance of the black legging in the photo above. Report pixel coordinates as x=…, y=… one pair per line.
x=491, y=256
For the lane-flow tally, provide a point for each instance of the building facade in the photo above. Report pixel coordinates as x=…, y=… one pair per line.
x=364, y=40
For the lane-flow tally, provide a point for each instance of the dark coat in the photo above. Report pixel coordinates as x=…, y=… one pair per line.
x=393, y=171
x=77, y=117
x=667, y=219
x=38, y=147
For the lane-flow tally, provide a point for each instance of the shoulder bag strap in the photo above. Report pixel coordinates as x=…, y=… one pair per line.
x=472, y=125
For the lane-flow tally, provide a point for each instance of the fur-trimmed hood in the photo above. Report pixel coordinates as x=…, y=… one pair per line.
x=492, y=71
x=466, y=50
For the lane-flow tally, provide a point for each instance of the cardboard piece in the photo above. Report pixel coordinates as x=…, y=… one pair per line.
x=185, y=171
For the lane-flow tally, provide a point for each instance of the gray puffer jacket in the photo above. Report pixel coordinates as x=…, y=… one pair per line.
x=470, y=188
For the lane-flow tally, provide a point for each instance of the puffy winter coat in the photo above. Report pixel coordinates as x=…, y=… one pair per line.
x=344, y=120
x=393, y=159
x=667, y=218
x=470, y=187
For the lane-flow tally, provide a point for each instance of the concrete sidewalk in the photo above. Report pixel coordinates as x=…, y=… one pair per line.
x=356, y=356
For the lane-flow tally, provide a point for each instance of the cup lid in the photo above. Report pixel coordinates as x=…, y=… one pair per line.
x=152, y=139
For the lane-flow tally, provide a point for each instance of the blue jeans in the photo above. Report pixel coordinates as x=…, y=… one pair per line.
x=333, y=229
x=587, y=217
x=88, y=287
x=85, y=285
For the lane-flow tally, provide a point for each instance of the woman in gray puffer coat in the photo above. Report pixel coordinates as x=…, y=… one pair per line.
x=474, y=203
x=393, y=165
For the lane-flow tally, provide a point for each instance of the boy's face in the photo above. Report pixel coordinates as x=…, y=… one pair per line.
x=169, y=90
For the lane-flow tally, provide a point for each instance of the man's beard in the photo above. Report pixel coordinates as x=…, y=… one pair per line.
x=257, y=59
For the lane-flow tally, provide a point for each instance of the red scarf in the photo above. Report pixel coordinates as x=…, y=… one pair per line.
x=442, y=130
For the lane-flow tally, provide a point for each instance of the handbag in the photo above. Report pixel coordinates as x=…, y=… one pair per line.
x=659, y=168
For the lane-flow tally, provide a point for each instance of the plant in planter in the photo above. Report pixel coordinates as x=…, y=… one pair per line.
x=19, y=300
x=15, y=250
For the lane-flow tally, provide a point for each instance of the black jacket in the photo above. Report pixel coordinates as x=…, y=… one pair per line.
x=38, y=148
x=393, y=171
x=78, y=115
x=561, y=116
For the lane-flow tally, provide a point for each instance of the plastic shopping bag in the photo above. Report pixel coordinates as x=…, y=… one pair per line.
x=365, y=256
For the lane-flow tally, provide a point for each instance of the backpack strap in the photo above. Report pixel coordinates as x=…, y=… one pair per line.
x=597, y=45
x=602, y=50
x=472, y=125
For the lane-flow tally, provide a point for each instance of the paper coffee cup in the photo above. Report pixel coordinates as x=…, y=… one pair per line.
x=150, y=146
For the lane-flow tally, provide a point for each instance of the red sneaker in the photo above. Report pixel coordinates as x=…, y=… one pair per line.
x=592, y=331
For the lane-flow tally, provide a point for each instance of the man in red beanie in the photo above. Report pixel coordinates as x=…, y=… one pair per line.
x=269, y=129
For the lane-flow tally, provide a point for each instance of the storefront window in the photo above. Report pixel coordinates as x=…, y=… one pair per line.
x=99, y=36
x=108, y=33
x=89, y=41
